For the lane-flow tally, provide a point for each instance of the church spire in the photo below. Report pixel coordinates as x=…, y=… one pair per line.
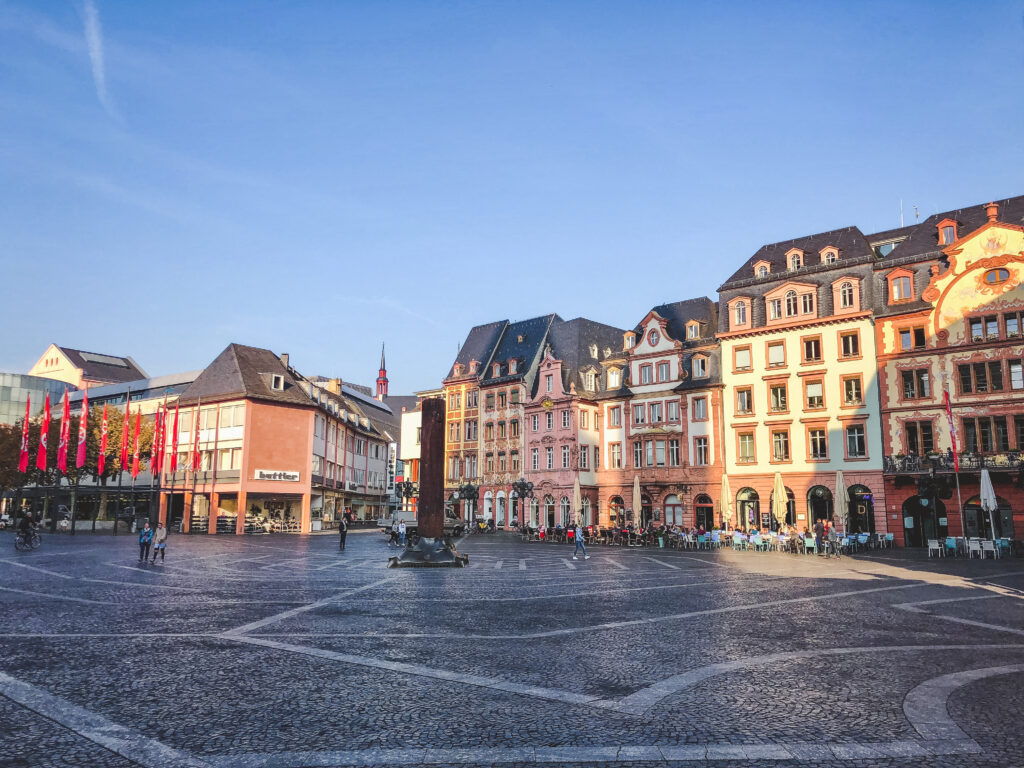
x=382, y=377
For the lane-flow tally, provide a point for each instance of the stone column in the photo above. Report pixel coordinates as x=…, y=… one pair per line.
x=430, y=515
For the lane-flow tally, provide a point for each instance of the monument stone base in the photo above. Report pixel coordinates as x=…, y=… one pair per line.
x=430, y=553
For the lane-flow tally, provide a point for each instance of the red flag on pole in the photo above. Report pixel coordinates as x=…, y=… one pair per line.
x=135, y=448
x=124, y=433
x=83, y=422
x=174, y=441
x=44, y=433
x=23, y=457
x=154, y=451
x=101, y=462
x=65, y=435
x=952, y=431
x=195, y=442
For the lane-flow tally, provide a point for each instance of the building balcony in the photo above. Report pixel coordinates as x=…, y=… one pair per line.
x=943, y=462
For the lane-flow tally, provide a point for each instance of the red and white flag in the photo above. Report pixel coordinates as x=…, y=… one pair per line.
x=195, y=442
x=174, y=442
x=83, y=422
x=23, y=457
x=44, y=432
x=952, y=431
x=155, y=449
x=135, y=447
x=101, y=461
x=65, y=435
x=124, y=433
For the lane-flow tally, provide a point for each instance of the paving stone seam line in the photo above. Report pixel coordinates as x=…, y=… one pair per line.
x=95, y=581
x=966, y=622
x=96, y=728
x=53, y=597
x=304, y=608
x=644, y=699
x=926, y=707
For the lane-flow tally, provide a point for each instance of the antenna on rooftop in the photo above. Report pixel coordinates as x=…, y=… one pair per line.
x=917, y=216
x=901, y=211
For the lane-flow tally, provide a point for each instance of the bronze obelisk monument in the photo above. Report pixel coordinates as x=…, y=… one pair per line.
x=432, y=550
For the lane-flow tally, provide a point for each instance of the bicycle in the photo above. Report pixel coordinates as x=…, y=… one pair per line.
x=26, y=543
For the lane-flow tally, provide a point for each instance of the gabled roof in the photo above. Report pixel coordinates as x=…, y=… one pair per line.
x=923, y=241
x=887, y=235
x=571, y=341
x=524, y=341
x=241, y=371
x=850, y=242
x=679, y=313
x=479, y=345
x=100, y=367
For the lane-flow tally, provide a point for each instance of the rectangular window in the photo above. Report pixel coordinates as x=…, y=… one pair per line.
x=616, y=456
x=645, y=374
x=515, y=462
x=501, y=462
x=597, y=457
x=565, y=457
x=780, y=445
x=615, y=416
x=513, y=396
x=919, y=437
x=639, y=414
x=490, y=464
x=535, y=422
x=995, y=376
x=549, y=383
x=911, y=338
x=818, y=440
x=535, y=459
x=656, y=409
x=1002, y=435
x=584, y=457
x=549, y=456
x=901, y=289
x=700, y=367
x=977, y=329
x=776, y=355
x=673, y=453
x=775, y=309
x=489, y=431
x=916, y=384
x=565, y=419
x=638, y=454
x=744, y=400
x=700, y=451
x=489, y=401
x=1018, y=427
x=815, y=395
x=741, y=359
x=549, y=420
x=514, y=426
x=673, y=409
x=856, y=447
x=807, y=303
x=966, y=380
x=584, y=419
x=502, y=429
x=700, y=409
x=812, y=349
x=1012, y=322
x=980, y=377
x=849, y=344
x=502, y=399
x=778, y=398
x=1016, y=375
x=659, y=453
x=663, y=372
x=649, y=453
x=992, y=327
x=473, y=398
x=745, y=443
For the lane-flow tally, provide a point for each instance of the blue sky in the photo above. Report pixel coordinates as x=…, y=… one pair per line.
x=319, y=178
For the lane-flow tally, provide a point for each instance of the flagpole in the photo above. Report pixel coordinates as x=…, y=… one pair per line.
x=195, y=467
x=120, y=474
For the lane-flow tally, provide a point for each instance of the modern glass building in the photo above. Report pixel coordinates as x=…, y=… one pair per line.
x=16, y=389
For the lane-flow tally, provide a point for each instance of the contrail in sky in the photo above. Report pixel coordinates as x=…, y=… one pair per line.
x=94, y=40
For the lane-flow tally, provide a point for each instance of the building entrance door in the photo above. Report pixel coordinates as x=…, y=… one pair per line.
x=922, y=521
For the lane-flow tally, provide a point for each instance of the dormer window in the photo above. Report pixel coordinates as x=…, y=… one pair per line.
x=521, y=338
x=795, y=258
x=457, y=370
x=762, y=268
x=628, y=340
x=740, y=313
x=277, y=382
x=593, y=351
x=589, y=381
x=829, y=256
x=846, y=295
x=948, y=234
x=496, y=370
x=901, y=288
x=472, y=366
x=614, y=378
x=790, y=303
x=693, y=330
x=700, y=367
x=511, y=366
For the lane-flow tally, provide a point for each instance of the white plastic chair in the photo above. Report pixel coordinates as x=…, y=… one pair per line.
x=987, y=547
x=933, y=546
x=974, y=546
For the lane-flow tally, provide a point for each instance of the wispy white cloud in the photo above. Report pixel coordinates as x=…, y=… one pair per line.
x=94, y=42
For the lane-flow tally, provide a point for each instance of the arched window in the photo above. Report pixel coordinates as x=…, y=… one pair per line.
x=673, y=510
x=791, y=303
x=829, y=257
x=585, y=513
x=846, y=295
x=762, y=271
x=796, y=261
x=534, y=512
x=549, y=511
x=740, y=311
x=500, y=514
x=860, y=517
x=819, y=504
x=981, y=523
x=704, y=510
x=748, y=508
x=488, y=505
x=615, y=511
x=564, y=509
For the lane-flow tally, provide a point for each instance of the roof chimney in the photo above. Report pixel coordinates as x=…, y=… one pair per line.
x=284, y=359
x=992, y=209
x=334, y=385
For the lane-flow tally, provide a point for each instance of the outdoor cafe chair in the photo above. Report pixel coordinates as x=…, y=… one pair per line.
x=933, y=546
x=951, y=546
x=974, y=548
x=1004, y=546
x=810, y=545
x=862, y=541
x=987, y=547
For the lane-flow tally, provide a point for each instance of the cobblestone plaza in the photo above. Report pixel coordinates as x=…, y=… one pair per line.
x=284, y=652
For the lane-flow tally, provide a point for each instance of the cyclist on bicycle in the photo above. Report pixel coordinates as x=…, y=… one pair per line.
x=25, y=528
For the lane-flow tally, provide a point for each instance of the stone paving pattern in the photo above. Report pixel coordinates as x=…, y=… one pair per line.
x=446, y=659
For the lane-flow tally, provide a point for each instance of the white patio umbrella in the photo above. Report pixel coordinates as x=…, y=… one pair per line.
x=989, y=503
x=780, y=500
x=637, y=503
x=725, y=502
x=577, y=501
x=843, y=500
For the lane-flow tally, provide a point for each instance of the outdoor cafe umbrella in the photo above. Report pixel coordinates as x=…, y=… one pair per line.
x=989, y=503
x=843, y=500
x=637, y=504
x=577, y=501
x=780, y=500
x=725, y=502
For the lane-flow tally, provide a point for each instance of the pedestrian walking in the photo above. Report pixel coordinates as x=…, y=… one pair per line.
x=401, y=533
x=394, y=533
x=160, y=542
x=819, y=535
x=145, y=541
x=342, y=531
x=578, y=535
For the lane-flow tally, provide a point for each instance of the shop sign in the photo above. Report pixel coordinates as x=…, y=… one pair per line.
x=276, y=474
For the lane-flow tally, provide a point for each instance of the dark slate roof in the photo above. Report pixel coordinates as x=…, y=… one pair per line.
x=523, y=341
x=479, y=345
x=923, y=241
x=397, y=402
x=241, y=371
x=571, y=341
x=100, y=367
x=850, y=242
x=679, y=313
x=887, y=235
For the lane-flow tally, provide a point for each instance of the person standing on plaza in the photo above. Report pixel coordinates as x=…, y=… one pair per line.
x=342, y=531
x=145, y=541
x=819, y=535
x=578, y=536
x=401, y=533
x=160, y=542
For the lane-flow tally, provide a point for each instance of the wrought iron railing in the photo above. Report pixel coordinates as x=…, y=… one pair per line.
x=943, y=462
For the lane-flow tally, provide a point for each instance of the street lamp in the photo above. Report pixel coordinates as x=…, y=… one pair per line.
x=523, y=489
x=407, y=489
x=469, y=493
